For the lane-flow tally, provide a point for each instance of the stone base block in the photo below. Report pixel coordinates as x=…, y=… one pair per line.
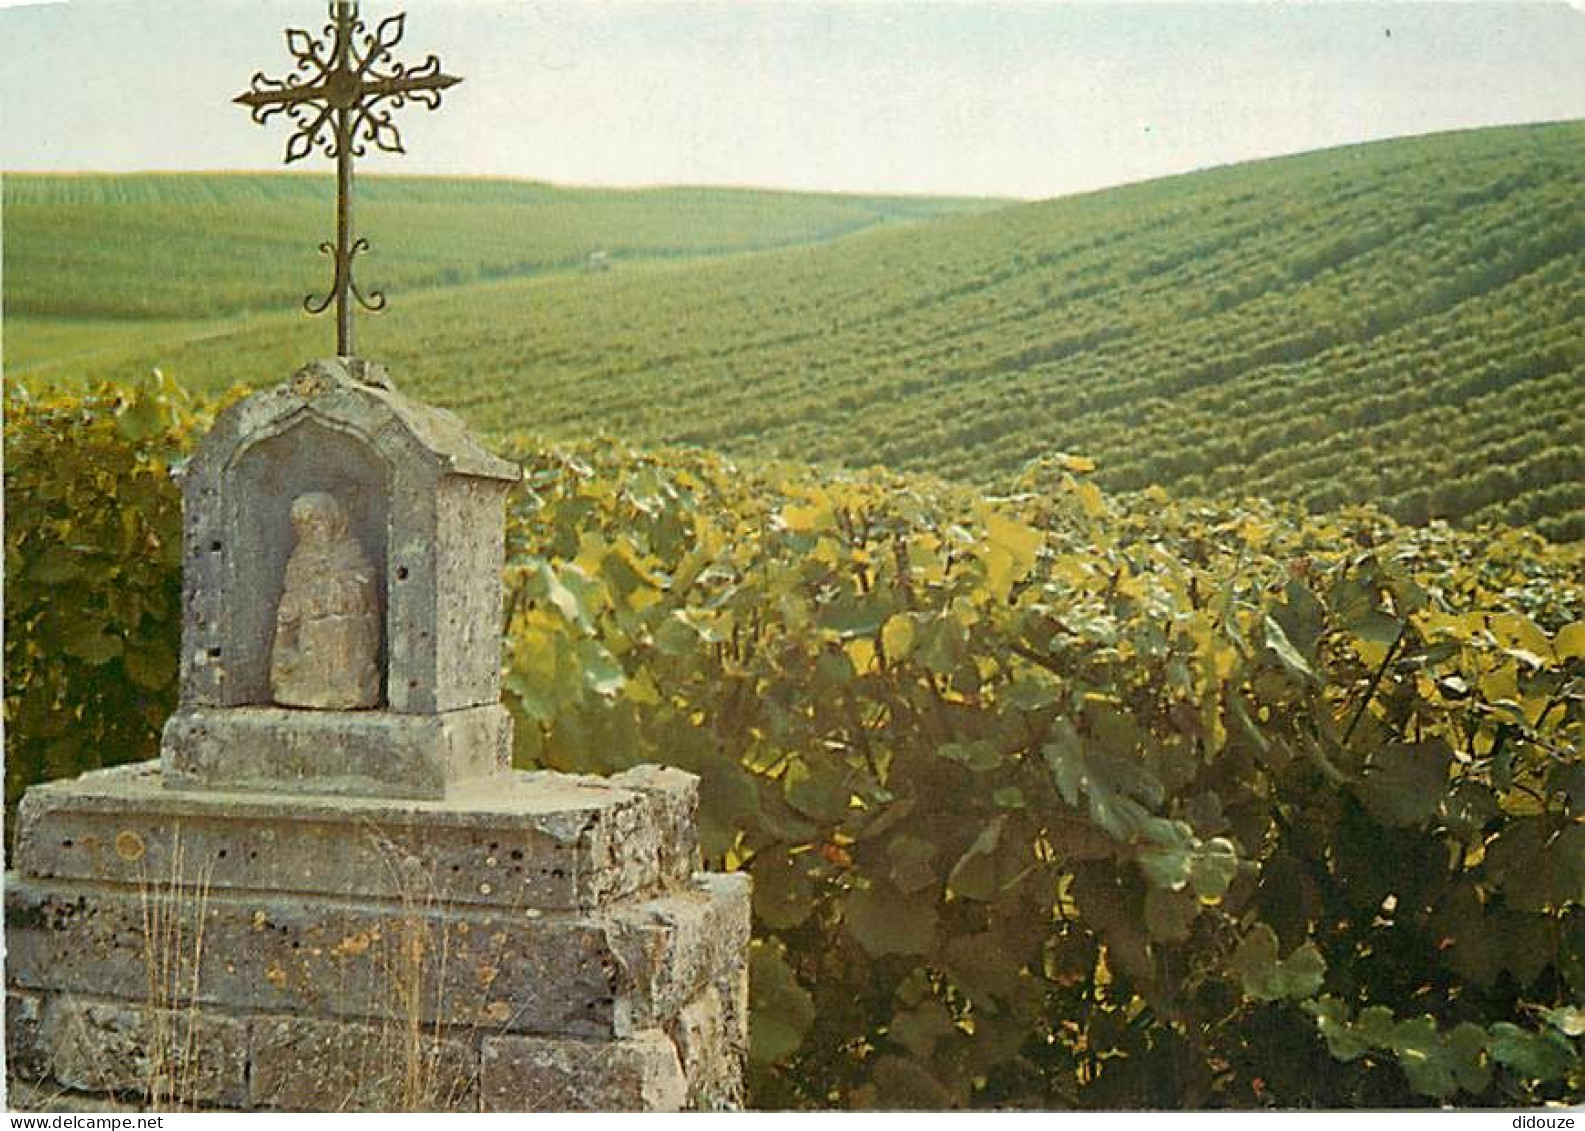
x=22, y=1095
x=529, y=942
x=342, y=753
x=549, y=842
x=108, y=1055
x=304, y=1065
x=605, y=975
x=711, y=1035
x=27, y=1057
x=639, y=1073
x=178, y=1058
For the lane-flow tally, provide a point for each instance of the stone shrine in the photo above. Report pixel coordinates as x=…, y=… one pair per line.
x=332, y=892
x=426, y=506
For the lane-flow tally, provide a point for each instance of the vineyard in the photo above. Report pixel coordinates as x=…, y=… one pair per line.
x=1050, y=800
x=185, y=246
x=1398, y=323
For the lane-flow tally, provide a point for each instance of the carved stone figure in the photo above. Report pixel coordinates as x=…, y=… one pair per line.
x=327, y=627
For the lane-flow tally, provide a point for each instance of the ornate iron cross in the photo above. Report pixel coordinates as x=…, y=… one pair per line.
x=340, y=96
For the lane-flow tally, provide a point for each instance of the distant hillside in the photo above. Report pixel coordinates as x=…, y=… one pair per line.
x=185, y=245
x=1400, y=323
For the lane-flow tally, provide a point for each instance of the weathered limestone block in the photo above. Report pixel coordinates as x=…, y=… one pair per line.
x=710, y=1043
x=675, y=795
x=672, y=947
x=544, y=841
x=735, y=993
x=348, y=753
x=306, y=1065
x=640, y=1072
x=470, y=553
x=27, y=1057
x=601, y=975
x=178, y=1057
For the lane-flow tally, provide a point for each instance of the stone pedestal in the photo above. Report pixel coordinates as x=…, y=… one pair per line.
x=532, y=942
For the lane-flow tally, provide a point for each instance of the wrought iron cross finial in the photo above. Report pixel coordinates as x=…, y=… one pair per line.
x=340, y=95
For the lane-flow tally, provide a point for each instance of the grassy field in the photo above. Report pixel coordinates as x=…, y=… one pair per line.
x=1400, y=323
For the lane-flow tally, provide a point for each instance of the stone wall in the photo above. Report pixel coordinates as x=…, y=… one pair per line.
x=543, y=942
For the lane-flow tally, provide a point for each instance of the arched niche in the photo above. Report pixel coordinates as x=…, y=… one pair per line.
x=425, y=501
x=265, y=476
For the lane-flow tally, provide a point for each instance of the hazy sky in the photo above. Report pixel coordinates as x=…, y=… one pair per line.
x=1031, y=100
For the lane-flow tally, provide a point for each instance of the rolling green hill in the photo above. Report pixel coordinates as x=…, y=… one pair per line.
x=1401, y=323
x=173, y=245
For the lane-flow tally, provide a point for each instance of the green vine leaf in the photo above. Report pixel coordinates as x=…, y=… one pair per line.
x=1541, y=1056
x=782, y=1011
x=1405, y=782
x=1424, y=1058
x=818, y=788
x=1289, y=656
x=1568, y=1020
x=884, y=920
x=919, y=1029
x=1266, y=978
x=783, y=894
x=979, y=873
x=912, y=866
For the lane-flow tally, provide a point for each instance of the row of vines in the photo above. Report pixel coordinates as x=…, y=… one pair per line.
x=1048, y=803
x=1243, y=331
